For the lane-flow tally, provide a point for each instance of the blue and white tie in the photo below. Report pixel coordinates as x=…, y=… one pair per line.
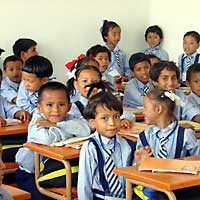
x=163, y=150
x=145, y=90
x=117, y=57
x=188, y=62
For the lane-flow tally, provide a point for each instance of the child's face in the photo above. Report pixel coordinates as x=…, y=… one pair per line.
x=190, y=45
x=106, y=122
x=86, y=77
x=29, y=53
x=103, y=59
x=2, y=166
x=113, y=36
x=153, y=39
x=31, y=82
x=194, y=83
x=13, y=71
x=54, y=105
x=141, y=71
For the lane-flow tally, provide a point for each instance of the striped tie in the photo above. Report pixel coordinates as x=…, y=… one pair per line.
x=145, y=90
x=163, y=151
x=113, y=180
x=188, y=62
x=117, y=57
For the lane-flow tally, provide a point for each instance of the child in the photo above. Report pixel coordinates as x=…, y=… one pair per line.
x=111, y=34
x=153, y=59
x=165, y=75
x=35, y=72
x=50, y=124
x=12, y=66
x=191, y=42
x=154, y=37
x=103, y=57
x=138, y=86
x=25, y=48
x=97, y=155
x=166, y=138
x=193, y=81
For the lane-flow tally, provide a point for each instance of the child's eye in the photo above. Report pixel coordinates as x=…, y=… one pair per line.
x=104, y=118
x=62, y=104
x=117, y=117
x=49, y=104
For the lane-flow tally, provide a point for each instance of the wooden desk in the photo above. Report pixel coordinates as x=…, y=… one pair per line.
x=62, y=154
x=164, y=182
x=138, y=112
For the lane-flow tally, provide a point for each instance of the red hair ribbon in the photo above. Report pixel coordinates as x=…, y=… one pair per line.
x=70, y=65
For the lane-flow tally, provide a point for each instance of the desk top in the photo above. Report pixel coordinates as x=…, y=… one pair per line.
x=14, y=129
x=61, y=153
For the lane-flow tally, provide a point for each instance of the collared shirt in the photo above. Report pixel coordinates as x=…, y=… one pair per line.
x=157, y=51
x=76, y=96
x=110, y=79
x=88, y=178
x=194, y=99
x=134, y=94
x=190, y=143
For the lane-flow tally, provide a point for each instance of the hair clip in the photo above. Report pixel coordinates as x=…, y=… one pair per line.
x=70, y=65
x=174, y=98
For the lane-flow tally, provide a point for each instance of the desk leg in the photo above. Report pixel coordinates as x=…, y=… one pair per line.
x=128, y=190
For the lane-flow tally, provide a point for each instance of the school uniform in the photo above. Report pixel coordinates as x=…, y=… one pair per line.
x=4, y=195
x=89, y=183
x=76, y=96
x=184, y=62
x=134, y=93
x=194, y=99
x=9, y=89
x=157, y=51
x=110, y=79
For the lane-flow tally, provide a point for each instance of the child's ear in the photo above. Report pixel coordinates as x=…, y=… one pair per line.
x=39, y=107
x=91, y=123
x=45, y=80
x=187, y=83
x=69, y=106
x=159, y=108
x=155, y=83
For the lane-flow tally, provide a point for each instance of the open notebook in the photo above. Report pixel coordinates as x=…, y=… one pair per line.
x=170, y=165
x=10, y=121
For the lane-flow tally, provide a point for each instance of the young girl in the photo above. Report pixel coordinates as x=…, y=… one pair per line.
x=154, y=37
x=111, y=34
x=166, y=138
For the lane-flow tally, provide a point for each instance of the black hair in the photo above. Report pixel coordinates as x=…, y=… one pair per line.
x=38, y=65
x=194, y=68
x=103, y=99
x=23, y=44
x=94, y=50
x=154, y=29
x=11, y=58
x=194, y=34
x=158, y=67
x=1, y=51
x=85, y=61
x=107, y=26
x=153, y=56
x=53, y=85
x=137, y=58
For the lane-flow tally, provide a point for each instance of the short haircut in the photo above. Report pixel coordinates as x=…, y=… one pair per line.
x=153, y=56
x=12, y=58
x=84, y=61
x=38, y=65
x=154, y=29
x=103, y=99
x=107, y=26
x=94, y=50
x=193, y=34
x=53, y=85
x=158, y=67
x=23, y=44
x=194, y=68
x=137, y=58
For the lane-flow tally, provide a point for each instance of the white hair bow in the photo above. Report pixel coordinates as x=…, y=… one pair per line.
x=174, y=98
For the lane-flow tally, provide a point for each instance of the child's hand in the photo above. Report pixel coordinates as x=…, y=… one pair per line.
x=186, y=125
x=125, y=123
x=2, y=122
x=196, y=118
x=23, y=116
x=142, y=153
x=44, y=123
x=14, y=100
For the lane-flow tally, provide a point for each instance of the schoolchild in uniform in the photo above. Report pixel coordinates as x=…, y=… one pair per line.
x=138, y=86
x=111, y=34
x=12, y=67
x=166, y=138
x=35, y=72
x=191, y=42
x=165, y=75
x=105, y=151
x=154, y=37
x=50, y=124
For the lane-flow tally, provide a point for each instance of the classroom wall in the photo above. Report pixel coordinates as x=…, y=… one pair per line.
x=64, y=28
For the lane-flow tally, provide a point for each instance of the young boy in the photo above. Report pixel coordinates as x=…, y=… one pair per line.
x=25, y=48
x=165, y=75
x=105, y=151
x=50, y=124
x=35, y=72
x=191, y=42
x=12, y=66
x=138, y=86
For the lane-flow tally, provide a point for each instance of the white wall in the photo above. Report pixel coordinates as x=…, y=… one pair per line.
x=65, y=28
x=176, y=17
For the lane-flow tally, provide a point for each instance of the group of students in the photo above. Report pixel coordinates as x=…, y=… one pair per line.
x=87, y=104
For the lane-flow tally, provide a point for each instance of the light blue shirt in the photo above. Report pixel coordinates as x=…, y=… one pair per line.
x=9, y=89
x=68, y=128
x=190, y=143
x=194, y=99
x=4, y=195
x=157, y=51
x=134, y=94
x=110, y=79
x=88, y=178
x=76, y=96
